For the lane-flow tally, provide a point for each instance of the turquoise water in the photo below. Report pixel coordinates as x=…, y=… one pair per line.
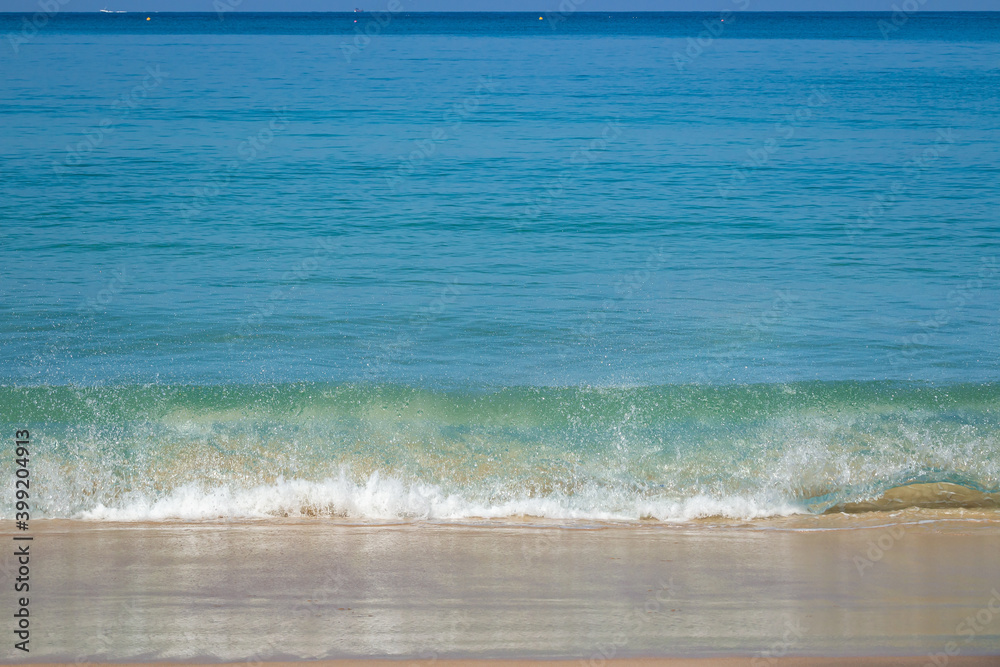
x=597, y=266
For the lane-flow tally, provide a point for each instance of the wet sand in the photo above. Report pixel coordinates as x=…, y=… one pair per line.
x=771, y=593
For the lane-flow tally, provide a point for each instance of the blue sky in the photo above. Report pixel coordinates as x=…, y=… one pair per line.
x=502, y=5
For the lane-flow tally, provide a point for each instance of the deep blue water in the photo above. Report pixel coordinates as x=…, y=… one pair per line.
x=479, y=204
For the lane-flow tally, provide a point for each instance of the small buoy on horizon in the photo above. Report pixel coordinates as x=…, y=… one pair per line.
x=147, y=18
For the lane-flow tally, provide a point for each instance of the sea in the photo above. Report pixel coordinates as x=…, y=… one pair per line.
x=390, y=266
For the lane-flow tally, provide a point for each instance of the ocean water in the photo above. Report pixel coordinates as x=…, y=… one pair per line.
x=449, y=266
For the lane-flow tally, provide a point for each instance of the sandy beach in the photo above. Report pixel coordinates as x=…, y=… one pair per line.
x=913, y=584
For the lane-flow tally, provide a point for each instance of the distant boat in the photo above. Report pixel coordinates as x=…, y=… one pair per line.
x=112, y=11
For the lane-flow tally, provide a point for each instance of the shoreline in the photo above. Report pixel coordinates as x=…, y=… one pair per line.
x=830, y=520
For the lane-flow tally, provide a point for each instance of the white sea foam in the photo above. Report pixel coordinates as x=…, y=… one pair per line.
x=387, y=498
